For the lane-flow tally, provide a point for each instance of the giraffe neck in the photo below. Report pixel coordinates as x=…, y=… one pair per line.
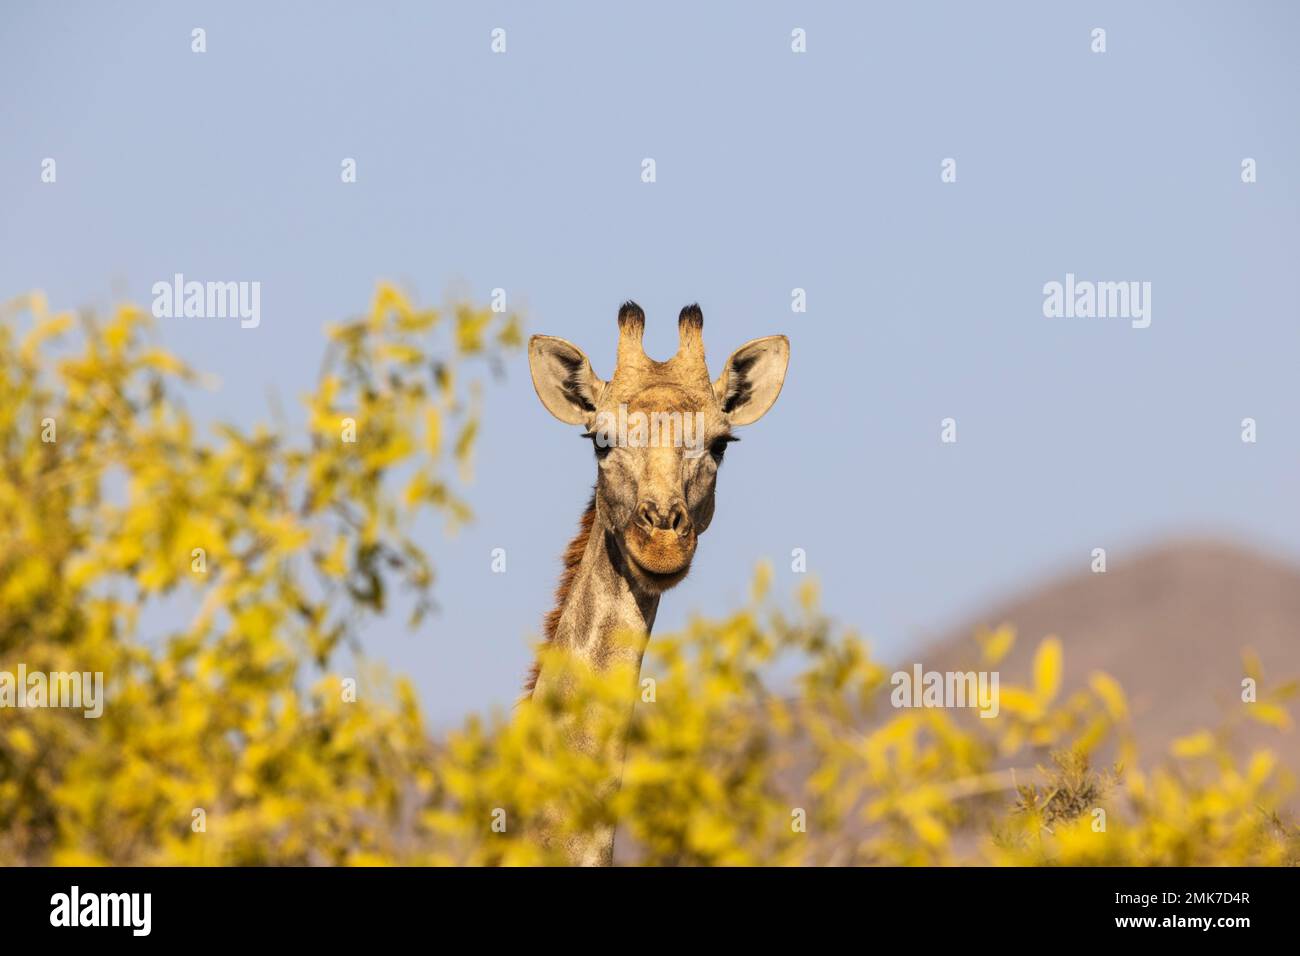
x=604, y=620
x=603, y=605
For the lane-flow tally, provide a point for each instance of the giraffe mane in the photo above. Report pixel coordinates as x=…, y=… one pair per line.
x=571, y=559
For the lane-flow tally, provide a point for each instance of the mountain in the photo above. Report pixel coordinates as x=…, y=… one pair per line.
x=1170, y=624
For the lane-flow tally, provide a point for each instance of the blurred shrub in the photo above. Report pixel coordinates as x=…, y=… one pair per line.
x=283, y=541
x=240, y=715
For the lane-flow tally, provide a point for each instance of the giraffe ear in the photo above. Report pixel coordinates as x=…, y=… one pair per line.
x=752, y=378
x=563, y=378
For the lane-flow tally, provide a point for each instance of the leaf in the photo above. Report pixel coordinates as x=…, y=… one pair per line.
x=997, y=644
x=1272, y=715
x=1193, y=745
x=47, y=328
x=1048, y=663
x=1111, y=694
x=432, y=430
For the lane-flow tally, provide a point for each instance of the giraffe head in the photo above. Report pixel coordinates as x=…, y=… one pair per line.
x=659, y=430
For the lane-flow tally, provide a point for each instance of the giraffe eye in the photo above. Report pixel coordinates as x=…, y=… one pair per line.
x=601, y=448
x=719, y=447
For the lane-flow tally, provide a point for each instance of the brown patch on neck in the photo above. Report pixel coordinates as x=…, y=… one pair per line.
x=572, y=558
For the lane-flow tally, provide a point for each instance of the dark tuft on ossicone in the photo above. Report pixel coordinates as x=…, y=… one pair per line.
x=630, y=314
x=691, y=316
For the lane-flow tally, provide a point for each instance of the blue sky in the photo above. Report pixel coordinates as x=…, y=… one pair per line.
x=775, y=170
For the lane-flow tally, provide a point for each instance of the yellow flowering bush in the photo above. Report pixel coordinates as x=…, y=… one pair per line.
x=226, y=740
x=762, y=736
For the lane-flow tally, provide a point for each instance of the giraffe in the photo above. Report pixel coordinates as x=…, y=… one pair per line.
x=652, y=499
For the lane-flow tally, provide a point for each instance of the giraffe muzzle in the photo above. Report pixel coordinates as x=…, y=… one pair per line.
x=661, y=538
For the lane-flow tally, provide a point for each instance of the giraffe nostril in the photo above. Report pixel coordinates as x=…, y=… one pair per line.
x=650, y=517
x=679, y=520
x=646, y=513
